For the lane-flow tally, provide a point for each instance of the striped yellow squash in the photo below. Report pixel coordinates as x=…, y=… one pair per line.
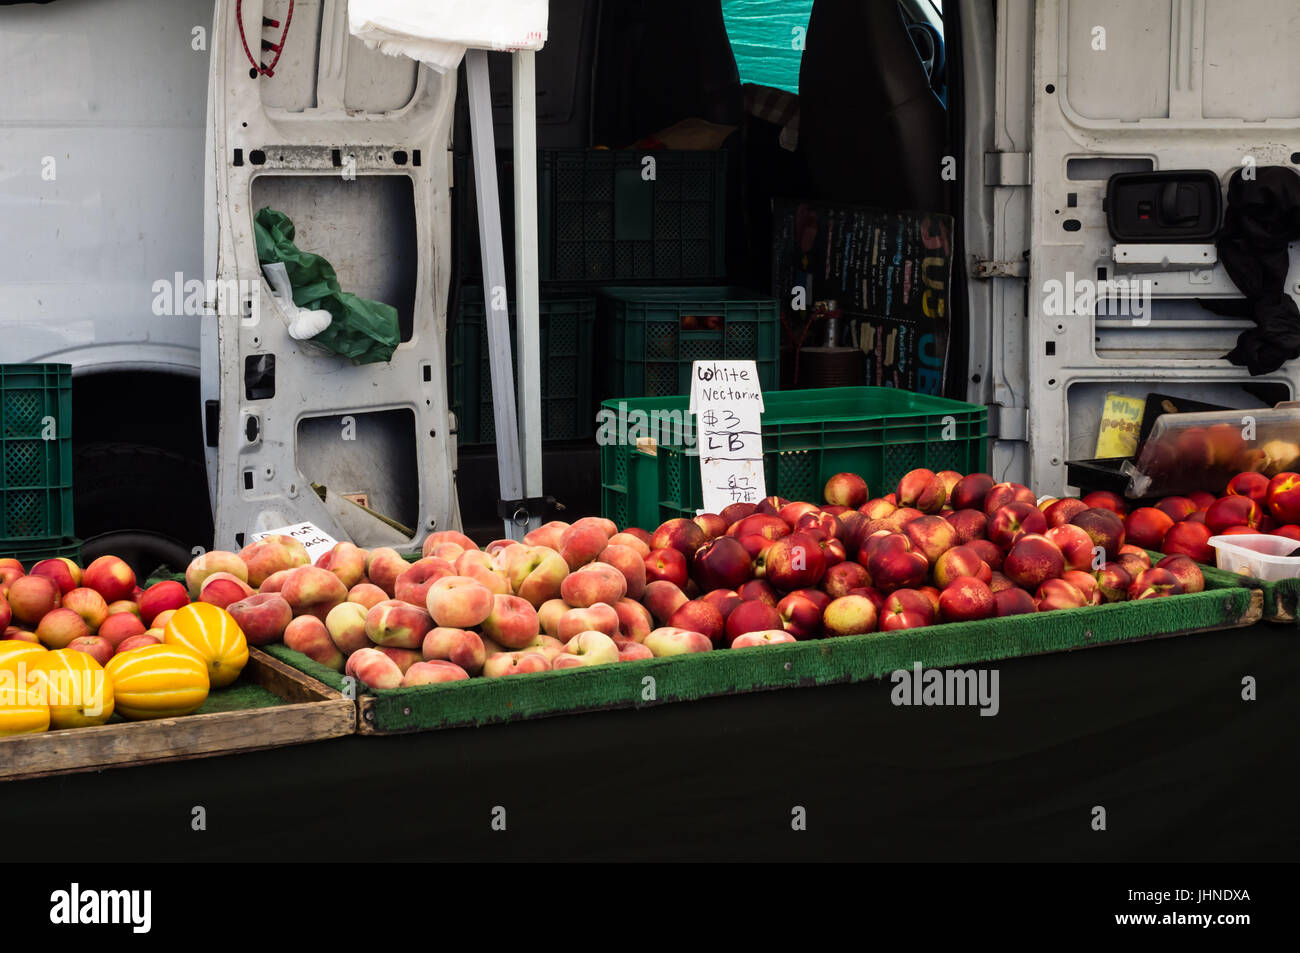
x=77, y=689
x=214, y=634
x=158, y=681
x=22, y=707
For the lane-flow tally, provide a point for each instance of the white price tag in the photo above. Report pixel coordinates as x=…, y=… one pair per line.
x=727, y=402
x=317, y=541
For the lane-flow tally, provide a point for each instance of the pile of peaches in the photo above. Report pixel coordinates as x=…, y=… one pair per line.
x=1252, y=503
x=941, y=547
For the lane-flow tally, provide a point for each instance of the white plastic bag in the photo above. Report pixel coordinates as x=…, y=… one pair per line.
x=438, y=32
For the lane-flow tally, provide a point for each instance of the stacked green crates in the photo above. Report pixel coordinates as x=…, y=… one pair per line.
x=651, y=336
x=566, y=331
x=36, y=461
x=808, y=436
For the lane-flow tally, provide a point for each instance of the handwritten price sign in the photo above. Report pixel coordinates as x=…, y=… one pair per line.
x=317, y=541
x=727, y=403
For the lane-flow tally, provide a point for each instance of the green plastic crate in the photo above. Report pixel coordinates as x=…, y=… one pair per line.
x=566, y=325
x=808, y=436
x=33, y=551
x=602, y=217
x=651, y=336
x=35, y=452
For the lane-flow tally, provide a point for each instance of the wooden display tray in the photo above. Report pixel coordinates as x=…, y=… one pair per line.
x=311, y=712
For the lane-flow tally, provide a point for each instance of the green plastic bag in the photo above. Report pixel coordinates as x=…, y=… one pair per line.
x=366, y=331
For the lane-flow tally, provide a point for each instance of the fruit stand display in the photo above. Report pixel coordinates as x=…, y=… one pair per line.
x=96, y=672
x=944, y=570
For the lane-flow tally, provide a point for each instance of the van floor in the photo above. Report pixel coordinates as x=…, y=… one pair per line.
x=570, y=473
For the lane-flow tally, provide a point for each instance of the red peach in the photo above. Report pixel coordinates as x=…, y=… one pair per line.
x=597, y=618
x=712, y=523
x=347, y=561
x=1106, y=500
x=1103, y=527
x=263, y=617
x=346, y=624
x=922, y=489
x=374, y=669
x=1060, y=512
x=1059, y=594
x=433, y=673
x=851, y=615
x=1003, y=494
x=459, y=602
x=1009, y=522
x=1187, y=573
x=397, y=624
x=758, y=589
x=630, y=563
x=666, y=564
x=434, y=540
x=966, y=598
x=415, y=582
x=220, y=589
x=724, y=600
x=1033, y=560
x=367, y=594
x=663, y=598
x=1076, y=546
x=308, y=635
x=846, y=489
x=548, y=535
x=1013, y=601
x=512, y=622
x=1154, y=583
x=970, y=491
x=1233, y=511
x=751, y=617
x=383, y=566
x=932, y=536
x=461, y=648
x=700, y=616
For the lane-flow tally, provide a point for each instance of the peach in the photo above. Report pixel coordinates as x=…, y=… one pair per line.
x=668, y=641
x=792, y=562
x=1113, y=581
x=801, y=616
x=310, y=590
x=906, y=609
x=548, y=646
x=597, y=618
x=434, y=540
x=957, y=562
x=221, y=589
x=308, y=635
x=751, y=617
x=120, y=626
x=1017, y=518
x=699, y=616
x=1013, y=601
x=218, y=560
x=535, y=573
x=1283, y=498
x=669, y=565
x=1059, y=594
x=1251, y=484
x=663, y=598
x=758, y=589
x=511, y=622
x=1103, y=527
x=1062, y=511
x=162, y=618
x=404, y=658
x=1033, y=560
x=1190, y=539
x=433, y=673
x=374, y=669
x=133, y=642
x=463, y=648
x=712, y=523
x=265, y=557
x=548, y=535
x=922, y=489
x=1231, y=511
x=398, y=624
x=367, y=594
x=515, y=663
x=10, y=569
x=549, y=614
x=448, y=551
x=583, y=542
x=630, y=563
x=58, y=628
x=633, y=652
x=1154, y=583
x=931, y=536
x=1187, y=573
x=635, y=543
x=31, y=597
x=851, y=615
x=1085, y=583
x=595, y=582
x=418, y=579
x=734, y=513
x=590, y=648
x=966, y=598
x=1002, y=494
x=383, y=566
x=893, y=565
x=346, y=624
x=634, y=620
x=159, y=598
x=1178, y=508
x=263, y=617
x=482, y=567
x=347, y=561
x=846, y=489
x=969, y=524
x=970, y=491
x=275, y=581
x=759, y=524
x=63, y=572
x=88, y=604
x=684, y=536
x=1075, y=545
x=497, y=545
x=1106, y=500
x=459, y=602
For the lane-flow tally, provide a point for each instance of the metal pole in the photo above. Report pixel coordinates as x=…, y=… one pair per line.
x=509, y=465
x=527, y=296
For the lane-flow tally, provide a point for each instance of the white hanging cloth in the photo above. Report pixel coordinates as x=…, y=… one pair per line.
x=437, y=32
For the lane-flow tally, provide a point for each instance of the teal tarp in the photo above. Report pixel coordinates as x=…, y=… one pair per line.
x=767, y=39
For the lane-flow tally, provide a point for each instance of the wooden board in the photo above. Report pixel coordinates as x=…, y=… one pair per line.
x=312, y=712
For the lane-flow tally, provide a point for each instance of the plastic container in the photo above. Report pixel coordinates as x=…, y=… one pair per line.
x=650, y=474
x=1258, y=556
x=651, y=336
x=33, y=552
x=566, y=325
x=603, y=215
x=35, y=452
x=1203, y=451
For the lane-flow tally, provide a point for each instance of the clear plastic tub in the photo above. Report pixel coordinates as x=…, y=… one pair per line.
x=1261, y=556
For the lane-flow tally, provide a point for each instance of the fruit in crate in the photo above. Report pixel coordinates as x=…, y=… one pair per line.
x=214, y=636
x=158, y=681
x=23, y=710
x=77, y=689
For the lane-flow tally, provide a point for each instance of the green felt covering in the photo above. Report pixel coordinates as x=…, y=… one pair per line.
x=482, y=701
x=322, y=673
x=239, y=697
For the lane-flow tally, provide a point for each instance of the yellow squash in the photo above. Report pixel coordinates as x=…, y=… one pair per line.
x=22, y=707
x=214, y=634
x=158, y=681
x=77, y=689
x=13, y=651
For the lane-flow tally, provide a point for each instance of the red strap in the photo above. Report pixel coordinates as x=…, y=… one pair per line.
x=277, y=47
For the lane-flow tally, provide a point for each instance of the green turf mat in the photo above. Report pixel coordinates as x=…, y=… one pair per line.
x=240, y=697
x=322, y=673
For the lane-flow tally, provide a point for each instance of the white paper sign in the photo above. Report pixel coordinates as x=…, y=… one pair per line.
x=727, y=402
x=317, y=541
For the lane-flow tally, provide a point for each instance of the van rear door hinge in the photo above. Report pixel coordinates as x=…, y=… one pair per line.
x=988, y=268
x=1008, y=423
x=1007, y=168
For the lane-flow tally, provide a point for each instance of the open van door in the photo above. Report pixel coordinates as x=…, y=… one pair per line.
x=352, y=145
x=1082, y=90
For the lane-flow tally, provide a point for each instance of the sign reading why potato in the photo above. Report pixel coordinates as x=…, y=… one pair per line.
x=727, y=403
